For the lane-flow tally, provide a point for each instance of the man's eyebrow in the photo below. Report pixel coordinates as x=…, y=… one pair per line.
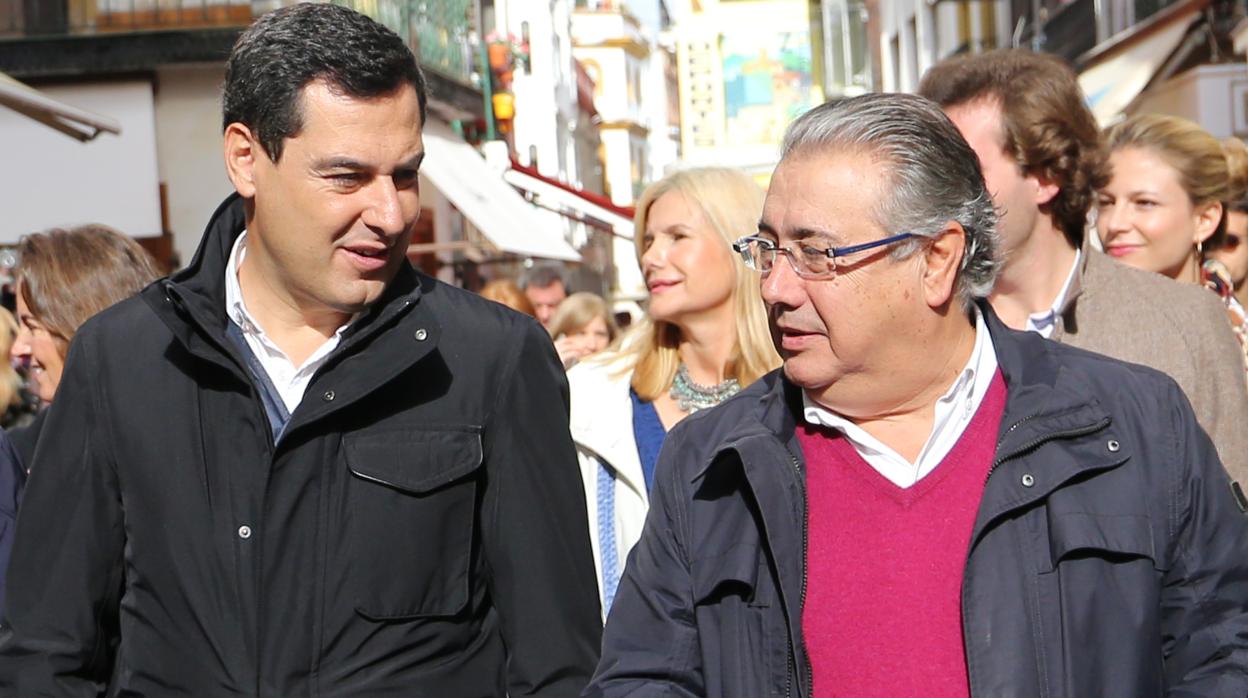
x=340, y=163
x=413, y=163
x=799, y=233
x=807, y=233
x=345, y=163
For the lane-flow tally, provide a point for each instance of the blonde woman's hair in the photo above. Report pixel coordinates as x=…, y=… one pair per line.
x=1237, y=173
x=578, y=310
x=732, y=204
x=1193, y=152
x=10, y=382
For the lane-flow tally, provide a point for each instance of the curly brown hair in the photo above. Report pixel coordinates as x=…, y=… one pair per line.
x=1047, y=128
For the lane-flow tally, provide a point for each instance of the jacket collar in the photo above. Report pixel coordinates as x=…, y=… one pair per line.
x=192, y=304
x=1044, y=400
x=198, y=291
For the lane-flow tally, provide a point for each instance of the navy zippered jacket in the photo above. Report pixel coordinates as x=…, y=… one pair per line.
x=1109, y=556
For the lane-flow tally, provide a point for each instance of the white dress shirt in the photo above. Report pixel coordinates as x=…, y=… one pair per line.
x=954, y=411
x=1044, y=322
x=290, y=381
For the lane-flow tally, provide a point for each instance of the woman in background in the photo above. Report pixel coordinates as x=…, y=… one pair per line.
x=581, y=327
x=1165, y=206
x=506, y=291
x=16, y=409
x=704, y=337
x=63, y=278
x=1233, y=253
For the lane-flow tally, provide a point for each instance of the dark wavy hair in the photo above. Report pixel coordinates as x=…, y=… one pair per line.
x=1048, y=129
x=284, y=50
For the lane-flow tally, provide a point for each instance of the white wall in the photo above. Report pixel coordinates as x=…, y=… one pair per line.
x=189, y=147
x=50, y=179
x=917, y=34
x=1214, y=96
x=618, y=143
x=546, y=94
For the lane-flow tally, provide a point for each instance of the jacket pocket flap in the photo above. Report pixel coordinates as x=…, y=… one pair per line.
x=1074, y=534
x=733, y=572
x=414, y=461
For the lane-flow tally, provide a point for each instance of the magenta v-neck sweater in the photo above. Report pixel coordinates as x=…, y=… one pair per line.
x=883, y=613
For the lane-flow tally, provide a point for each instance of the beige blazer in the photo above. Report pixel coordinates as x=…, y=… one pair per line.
x=1178, y=329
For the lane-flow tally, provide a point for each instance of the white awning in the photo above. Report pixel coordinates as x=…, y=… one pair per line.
x=72, y=121
x=496, y=209
x=54, y=181
x=1118, y=75
x=551, y=196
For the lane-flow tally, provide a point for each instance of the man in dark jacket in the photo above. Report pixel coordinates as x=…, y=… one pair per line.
x=923, y=501
x=299, y=467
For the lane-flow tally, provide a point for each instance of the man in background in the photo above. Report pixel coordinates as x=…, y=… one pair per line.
x=545, y=288
x=1042, y=157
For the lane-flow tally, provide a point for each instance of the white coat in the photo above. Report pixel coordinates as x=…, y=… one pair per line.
x=602, y=429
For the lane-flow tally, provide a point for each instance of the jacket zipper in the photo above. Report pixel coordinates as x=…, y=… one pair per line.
x=792, y=668
x=1078, y=431
x=966, y=567
x=997, y=461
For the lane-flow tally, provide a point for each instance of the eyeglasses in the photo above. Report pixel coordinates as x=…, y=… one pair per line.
x=808, y=260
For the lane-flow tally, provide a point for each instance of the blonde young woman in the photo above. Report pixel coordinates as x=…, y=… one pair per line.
x=582, y=327
x=1165, y=207
x=704, y=337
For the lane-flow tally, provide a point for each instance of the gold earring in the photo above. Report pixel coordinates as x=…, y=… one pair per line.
x=1200, y=248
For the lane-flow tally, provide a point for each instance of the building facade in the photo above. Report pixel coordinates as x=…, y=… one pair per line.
x=157, y=67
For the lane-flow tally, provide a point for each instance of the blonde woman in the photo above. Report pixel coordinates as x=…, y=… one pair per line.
x=704, y=337
x=11, y=412
x=1165, y=207
x=582, y=327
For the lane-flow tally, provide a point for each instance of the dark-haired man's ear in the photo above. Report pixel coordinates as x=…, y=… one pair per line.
x=943, y=259
x=241, y=152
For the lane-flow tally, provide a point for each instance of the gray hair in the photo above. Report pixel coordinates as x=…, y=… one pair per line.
x=934, y=176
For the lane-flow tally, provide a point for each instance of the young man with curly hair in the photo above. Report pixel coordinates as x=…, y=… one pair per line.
x=1042, y=158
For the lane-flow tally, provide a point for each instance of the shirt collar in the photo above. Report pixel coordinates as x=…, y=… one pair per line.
x=236, y=307
x=1045, y=321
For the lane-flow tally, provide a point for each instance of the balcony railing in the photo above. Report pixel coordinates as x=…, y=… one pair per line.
x=58, y=17
x=442, y=33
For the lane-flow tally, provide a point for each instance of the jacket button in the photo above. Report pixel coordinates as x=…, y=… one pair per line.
x=421, y=335
x=1028, y=480
x=244, y=532
x=328, y=396
x=1113, y=446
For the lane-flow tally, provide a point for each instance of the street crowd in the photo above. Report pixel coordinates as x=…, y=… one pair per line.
x=956, y=407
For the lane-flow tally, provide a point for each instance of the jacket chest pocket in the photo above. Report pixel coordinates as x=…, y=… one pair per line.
x=1111, y=539
x=412, y=503
x=1097, y=605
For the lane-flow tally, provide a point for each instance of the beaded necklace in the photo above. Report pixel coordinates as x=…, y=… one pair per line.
x=691, y=397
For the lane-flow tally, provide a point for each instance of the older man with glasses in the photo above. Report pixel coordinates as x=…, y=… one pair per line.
x=923, y=501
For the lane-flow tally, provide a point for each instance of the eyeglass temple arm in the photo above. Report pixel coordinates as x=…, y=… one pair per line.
x=842, y=251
